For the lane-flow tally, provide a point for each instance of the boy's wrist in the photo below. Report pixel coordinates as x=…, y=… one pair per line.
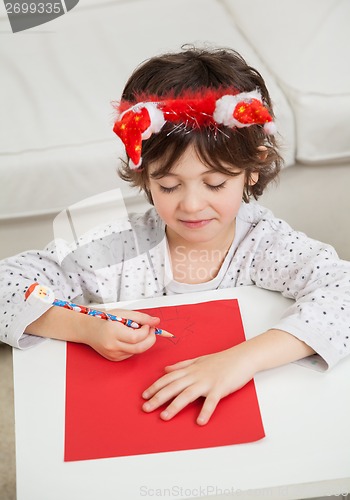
x=246, y=353
x=62, y=324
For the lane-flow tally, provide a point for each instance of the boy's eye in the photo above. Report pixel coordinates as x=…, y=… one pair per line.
x=167, y=189
x=217, y=187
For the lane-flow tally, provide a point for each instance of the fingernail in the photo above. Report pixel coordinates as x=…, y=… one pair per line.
x=145, y=395
x=164, y=414
x=147, y=406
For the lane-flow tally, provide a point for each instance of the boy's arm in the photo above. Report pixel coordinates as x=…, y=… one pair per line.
x=310, y=273
x=111, y=339
x=276, y=348
x=216, y=375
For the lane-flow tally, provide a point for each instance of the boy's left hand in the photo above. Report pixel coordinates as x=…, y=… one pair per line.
x=213, y=376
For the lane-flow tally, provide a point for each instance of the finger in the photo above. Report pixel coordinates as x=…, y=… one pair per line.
x=186, y=397
x=137, y=347
x=139, y=317
x=179, y=365
x=131, y=336
x=161, y=383
x=165, y=394
x=207, y=410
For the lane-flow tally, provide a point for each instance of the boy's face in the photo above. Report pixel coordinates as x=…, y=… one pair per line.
x=197, y=204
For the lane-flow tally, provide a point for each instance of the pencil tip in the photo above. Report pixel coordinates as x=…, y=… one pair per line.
x=164, y=333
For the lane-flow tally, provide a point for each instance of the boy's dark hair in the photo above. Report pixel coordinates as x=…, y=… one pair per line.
x=194, y=69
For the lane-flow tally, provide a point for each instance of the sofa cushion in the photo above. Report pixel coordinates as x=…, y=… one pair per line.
x=60, y=79
x=305, y=44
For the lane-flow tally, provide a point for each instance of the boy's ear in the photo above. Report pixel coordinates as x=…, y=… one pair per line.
x=262, y=152
x=253, y=178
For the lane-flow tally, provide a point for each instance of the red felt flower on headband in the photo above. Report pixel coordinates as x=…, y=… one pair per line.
x=130, y=128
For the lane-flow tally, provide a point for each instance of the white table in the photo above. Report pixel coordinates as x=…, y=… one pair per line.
x=306, y=415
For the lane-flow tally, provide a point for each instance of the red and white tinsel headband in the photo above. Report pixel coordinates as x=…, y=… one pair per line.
x=137, y=122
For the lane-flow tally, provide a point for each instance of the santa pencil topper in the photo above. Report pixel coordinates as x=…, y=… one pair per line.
x=210, y=108
x=46, y=295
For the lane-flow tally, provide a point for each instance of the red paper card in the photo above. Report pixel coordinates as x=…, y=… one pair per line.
x=103, y=398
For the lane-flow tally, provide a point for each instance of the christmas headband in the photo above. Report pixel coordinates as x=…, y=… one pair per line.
x=137, y=122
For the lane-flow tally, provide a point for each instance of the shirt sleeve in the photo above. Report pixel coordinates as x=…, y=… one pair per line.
x=311, y=273
x=18, y=273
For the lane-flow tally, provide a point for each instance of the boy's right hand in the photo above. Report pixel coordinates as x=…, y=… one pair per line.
x=111, y=339
x=115, y=341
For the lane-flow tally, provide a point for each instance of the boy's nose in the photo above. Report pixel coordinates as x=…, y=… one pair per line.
x=192, y=202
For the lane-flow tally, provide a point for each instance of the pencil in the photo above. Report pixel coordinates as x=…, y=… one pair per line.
x=46, y=295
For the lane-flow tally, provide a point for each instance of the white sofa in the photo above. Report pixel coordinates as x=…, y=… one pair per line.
x=58, y=81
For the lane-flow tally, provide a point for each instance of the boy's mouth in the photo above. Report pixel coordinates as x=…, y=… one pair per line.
x=193, y=224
